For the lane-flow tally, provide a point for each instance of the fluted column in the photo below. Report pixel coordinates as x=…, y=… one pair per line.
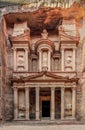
x=15, y=58
x=62, y=102
x=37, y=103
x=27, y=102
x=73, y=102
x=15, y=103
x=52, y=103
x=74, y=59
x=62, y=60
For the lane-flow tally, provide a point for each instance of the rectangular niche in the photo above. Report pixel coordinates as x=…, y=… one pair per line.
x=20, y=60
x=68, y=102
x=68, y=61
x=21, y=101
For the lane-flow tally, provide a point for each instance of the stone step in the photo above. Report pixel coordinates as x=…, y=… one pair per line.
x=45, y=122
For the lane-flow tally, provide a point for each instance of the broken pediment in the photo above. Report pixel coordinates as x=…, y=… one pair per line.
x=21, y=32
x=21, y=37
x=44, y=76
x=68, y=30
x=65, y=37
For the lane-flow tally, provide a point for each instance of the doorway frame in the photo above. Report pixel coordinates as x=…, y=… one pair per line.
x=49, y=108
x=44, y=98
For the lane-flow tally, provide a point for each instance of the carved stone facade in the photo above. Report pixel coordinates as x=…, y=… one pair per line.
x=42, y=70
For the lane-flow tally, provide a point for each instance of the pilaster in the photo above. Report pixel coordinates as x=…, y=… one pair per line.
x=52, y=103
x=37, y=103
x=62, y=59
x=62, y=103
x=15, y=103
x=73, y=102
x=27, y=102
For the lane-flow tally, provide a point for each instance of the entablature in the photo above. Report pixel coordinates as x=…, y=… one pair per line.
x=44, y=85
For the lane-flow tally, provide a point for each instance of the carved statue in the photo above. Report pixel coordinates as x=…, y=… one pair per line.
x=44, y=34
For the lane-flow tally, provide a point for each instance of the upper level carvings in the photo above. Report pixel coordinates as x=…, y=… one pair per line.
x=45, y=52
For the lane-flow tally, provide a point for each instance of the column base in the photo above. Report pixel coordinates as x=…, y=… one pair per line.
x=27, y=119
x=68, y=118
x=62, y=118
x=21, y=119
x=37, y=119
x=15, y=119
x=52, y=117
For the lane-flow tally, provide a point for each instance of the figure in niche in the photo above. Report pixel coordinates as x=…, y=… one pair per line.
x=45, y=61
x=20, y=63
x=20, y=59
x=44, y=34
x=69, y=60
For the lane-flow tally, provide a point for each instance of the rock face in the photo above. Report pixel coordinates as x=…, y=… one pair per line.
x=47, y=21
x=37, y=20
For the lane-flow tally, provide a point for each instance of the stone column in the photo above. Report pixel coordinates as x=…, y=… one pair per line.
x=34, y=68
x=15, y=103
x=49, y=60
x=74, y=59
x=40, y=60
x=62, y=102
x=27, y=102
x=52, y=103
x=15, y=63
x=37, y=103
x=56, y=64
x=62, y=60
x=26, y=59
x=73, y=102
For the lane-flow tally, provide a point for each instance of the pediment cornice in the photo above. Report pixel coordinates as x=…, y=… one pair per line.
x=22, y=37
x=44, y=77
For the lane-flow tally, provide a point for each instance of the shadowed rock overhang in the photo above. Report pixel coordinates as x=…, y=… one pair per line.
x=47, y=18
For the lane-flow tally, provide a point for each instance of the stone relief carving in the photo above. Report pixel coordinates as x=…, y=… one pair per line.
x=44, y=34
x=44, y=60
x=20, y=60
x=21, y=104
x=68, y=59
x=68, y=102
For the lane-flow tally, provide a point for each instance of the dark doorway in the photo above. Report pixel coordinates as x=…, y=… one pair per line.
x=45, y=108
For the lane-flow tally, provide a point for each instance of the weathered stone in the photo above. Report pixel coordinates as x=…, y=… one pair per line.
x=29, y=60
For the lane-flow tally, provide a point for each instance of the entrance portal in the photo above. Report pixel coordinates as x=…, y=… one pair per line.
x=45, y=108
